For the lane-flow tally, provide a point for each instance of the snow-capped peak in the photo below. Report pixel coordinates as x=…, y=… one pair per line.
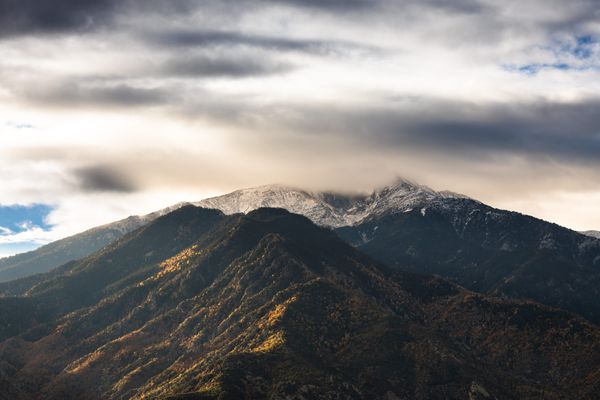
x=294, y=200
x=326, y=208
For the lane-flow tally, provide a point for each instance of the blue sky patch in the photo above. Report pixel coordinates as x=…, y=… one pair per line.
x=584, y=47
x=532, y=69
x=16, y=219
x=580, y=53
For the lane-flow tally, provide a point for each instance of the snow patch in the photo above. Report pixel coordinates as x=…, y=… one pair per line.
x=403, y=196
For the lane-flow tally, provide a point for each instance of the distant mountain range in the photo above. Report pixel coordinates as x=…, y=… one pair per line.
x=197, y=304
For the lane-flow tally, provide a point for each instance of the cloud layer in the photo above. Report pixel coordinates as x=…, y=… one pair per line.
x=133, y=105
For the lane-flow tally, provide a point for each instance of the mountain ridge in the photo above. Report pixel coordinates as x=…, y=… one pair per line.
x=330, y=209
x=73, y=247
x=324, y=208
x=269, y=305
x=414, y=228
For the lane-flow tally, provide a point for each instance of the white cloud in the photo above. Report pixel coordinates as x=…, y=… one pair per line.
x=31, y=234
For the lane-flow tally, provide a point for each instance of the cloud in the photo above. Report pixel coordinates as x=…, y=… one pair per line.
x=35, y=16
x=164, y=80
x=31, y=235
x=562, y=130
x=103, y=179
x=335, y=5
x=461, y=6
x=88, y=94
x=212, y=38
x=203, y=66
x=38, y=17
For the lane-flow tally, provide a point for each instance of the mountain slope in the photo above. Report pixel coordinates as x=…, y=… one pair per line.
x=72, y=248
x=490, y=251
x=268, y=305
x=127, y=260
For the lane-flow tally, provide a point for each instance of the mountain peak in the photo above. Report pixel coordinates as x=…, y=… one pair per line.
x=404, y=185
x=328, y=208
x=402, y=182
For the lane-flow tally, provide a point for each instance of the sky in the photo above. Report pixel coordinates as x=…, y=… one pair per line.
x=116, y=107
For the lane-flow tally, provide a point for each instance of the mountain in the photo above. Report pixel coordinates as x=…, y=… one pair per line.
x=487, y=250
x=201, y=305
x=328, y=208
x=594, y=234
x=72, y=248
x=412, y=227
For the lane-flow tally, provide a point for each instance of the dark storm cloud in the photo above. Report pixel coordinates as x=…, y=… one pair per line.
x=207, y=67
x=19, y=17
x=26, y=17
x=567, y=131
x=23, y=17
x=39, y=16
x=103, y=179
